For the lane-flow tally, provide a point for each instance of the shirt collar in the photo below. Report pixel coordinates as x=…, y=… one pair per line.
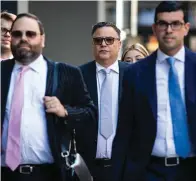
x=180, y=55
x=35, y=65
x=114, y=67
x=11, y=57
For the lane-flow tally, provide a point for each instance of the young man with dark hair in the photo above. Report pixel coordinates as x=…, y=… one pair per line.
x=156, y=139
x=6, y=23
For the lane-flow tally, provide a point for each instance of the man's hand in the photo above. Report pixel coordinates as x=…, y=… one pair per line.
x=53, y=105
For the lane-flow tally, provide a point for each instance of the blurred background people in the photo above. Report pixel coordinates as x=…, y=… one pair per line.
x=134, y=53
x=103, y=77
x=6, y=23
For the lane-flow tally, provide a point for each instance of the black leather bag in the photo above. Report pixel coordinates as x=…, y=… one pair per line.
x=74, y=163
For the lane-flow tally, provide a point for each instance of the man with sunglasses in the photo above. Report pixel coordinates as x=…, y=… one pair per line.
x=158, y=109
x=31, y=136
x=103, y=78
x=6, y=23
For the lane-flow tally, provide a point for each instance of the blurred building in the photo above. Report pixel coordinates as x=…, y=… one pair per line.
x=139, y=15
x=68, y=24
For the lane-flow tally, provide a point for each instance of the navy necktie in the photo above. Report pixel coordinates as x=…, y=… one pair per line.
x=178, y=113
x=106, y=126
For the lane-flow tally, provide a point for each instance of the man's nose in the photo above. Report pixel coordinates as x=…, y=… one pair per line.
x=103, y=43
x=169, y=28
x=24, y=37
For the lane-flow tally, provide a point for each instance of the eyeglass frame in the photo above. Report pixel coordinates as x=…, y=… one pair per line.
x=104, y=39
x=166, y=24
x=4, y=31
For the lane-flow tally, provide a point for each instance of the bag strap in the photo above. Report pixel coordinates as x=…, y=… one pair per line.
x=55, y=78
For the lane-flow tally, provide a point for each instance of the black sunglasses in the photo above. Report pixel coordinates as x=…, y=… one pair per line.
x=107, y=40
x=19, y=34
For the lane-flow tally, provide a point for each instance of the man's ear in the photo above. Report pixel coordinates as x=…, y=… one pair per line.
x=187, y=27
x=43, y=40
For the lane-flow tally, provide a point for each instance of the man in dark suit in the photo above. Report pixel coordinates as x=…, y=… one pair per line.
x=96, y=146
x=156, y=137
x=30, y=134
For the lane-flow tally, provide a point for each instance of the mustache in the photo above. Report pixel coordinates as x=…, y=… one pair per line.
x=169, y=37
x=22, y=43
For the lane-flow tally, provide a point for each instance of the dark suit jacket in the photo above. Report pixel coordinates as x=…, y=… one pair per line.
x=89, y=143
x=138, y=116
x=71, y=92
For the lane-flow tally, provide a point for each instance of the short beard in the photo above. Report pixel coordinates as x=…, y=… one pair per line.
x=24, y=56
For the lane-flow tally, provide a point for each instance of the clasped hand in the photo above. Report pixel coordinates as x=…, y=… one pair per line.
x=53, y=105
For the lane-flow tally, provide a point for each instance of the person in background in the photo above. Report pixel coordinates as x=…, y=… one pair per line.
x=156, y=139
x=134, y=53
x=6, y=23
x=31, y=136
x=103, y=77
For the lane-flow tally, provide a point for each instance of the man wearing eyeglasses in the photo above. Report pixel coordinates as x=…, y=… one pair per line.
x=158, y=109
x=103, y=78
x=6, y=23
x=31, y=137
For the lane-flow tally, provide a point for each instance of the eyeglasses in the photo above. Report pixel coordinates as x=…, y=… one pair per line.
x=19, y=34
x=4, y=31
x=107, y=40
x=175, y=25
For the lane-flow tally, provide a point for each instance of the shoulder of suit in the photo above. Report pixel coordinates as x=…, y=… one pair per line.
x=190, y=52
x=68, y=67
x=123, y=64
x=7, y=62
x=87, y=65
x=61, y=64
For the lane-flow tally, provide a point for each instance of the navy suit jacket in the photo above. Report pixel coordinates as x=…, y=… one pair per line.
x=71, y=92
x=137, y=127
x=89, y=139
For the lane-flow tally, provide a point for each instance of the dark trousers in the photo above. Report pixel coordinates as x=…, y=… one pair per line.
x=102, y=170
x=185, y=171
x=37, y=173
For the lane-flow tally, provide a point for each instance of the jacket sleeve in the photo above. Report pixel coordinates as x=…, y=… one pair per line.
x=82, y=109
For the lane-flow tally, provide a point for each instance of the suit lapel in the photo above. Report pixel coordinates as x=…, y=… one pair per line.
x=5, y=82
x=190, y=79
x=92, y=83
x=121, y=71
x=52, y=135
x=150, y=82
x=49, y=81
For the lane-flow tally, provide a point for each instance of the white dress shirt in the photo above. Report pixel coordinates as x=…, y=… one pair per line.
x=104, y=147
x=34, y=138
x=164, y=144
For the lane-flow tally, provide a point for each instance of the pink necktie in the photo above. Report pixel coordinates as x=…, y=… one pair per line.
x=13, y=154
